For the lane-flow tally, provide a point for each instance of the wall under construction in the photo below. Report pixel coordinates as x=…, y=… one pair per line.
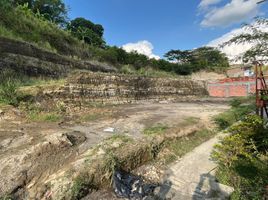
x=232, y=87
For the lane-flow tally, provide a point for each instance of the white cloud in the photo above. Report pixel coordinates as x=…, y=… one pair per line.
x=142, y=47
x=236, y=11
x=234, y=51
x=204, y=4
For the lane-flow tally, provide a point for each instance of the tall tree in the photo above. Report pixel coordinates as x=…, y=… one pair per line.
x=201, y=58
x=53, y=10
x=179, y=56
x=86, y=30
x=257, y=35
x=22, y=2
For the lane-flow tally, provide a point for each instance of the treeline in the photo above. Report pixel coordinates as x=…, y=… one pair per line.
x=203, y=58
x=46, y=23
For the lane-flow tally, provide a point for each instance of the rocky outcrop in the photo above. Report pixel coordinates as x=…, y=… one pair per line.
x=119, y=88
x=28, y=59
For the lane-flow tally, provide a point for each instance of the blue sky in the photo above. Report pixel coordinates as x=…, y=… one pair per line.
x=166, y=24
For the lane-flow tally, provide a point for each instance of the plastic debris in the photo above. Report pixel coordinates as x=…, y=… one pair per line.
x=129, y=186
x=110, y=130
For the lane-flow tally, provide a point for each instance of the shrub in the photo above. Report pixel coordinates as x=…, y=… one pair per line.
x=243, y=160
x=9, y=88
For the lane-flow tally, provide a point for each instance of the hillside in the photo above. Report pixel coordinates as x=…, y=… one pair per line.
x=16, y=24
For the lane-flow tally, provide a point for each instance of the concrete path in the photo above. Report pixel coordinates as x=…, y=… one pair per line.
x=192, y=177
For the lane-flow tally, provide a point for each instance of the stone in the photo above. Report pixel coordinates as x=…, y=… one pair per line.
x=120, y=88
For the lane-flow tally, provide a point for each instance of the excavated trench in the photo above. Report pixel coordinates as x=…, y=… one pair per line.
x=75, y=161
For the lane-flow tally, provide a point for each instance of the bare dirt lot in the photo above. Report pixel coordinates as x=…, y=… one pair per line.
x=31, y=151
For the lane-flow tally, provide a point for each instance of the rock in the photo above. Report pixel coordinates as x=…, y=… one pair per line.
x=150, y=173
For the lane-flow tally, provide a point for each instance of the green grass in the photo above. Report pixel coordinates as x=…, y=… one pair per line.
x=17, y=23
x=81, y=186
x=147, y=71
x=8, y=197
x=183, y=145
x=155, y=130
x=44, y=117
x=120, y=137
x=41, y=81
x=240, y=107
x=248, y=177
x=189, y=121
x=16, y=88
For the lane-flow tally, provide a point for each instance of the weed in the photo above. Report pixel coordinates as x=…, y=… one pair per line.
x=111, y=163
x=155, y=130
x=44, y=117
x=81, y=187
x=120, y=137
x=6, y=197
x=189, y=121
x=183, y=145
x=240, y=108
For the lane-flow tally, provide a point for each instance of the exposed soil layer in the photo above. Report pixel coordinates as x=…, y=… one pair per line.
x=30, y=153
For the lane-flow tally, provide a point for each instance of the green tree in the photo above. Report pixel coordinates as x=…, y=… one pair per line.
x=202, y=58
x=179, y=56
x=52, y=10
x=23, y=2
x=87, y=31
x=255, y=35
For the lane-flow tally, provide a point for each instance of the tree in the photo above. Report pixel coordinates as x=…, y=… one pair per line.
x=87, y=31
x=52, y=10
x=23, y=2
x=179, y=56
x=256, y=35
x=201, y=58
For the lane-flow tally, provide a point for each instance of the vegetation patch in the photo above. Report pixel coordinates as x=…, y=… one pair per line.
x=240, y=107
x=44, y=117
x=180, y=146
x=122, y=152
x=155, y=130
x=189, y=121
x=81, y=187
x=242, y=159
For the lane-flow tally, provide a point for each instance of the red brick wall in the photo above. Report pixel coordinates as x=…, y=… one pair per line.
x=232, y=87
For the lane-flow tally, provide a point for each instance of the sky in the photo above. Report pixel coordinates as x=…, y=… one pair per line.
x=153, y=27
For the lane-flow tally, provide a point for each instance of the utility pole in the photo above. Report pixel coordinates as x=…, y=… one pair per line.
x=261, y=87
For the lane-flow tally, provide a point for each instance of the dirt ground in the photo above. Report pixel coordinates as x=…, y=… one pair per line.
x=30, y=151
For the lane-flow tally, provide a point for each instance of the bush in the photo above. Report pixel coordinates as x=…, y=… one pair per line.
x=9, y=88
x=243, y=160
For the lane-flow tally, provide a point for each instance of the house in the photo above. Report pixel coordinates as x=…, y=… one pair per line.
x=240, y=71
